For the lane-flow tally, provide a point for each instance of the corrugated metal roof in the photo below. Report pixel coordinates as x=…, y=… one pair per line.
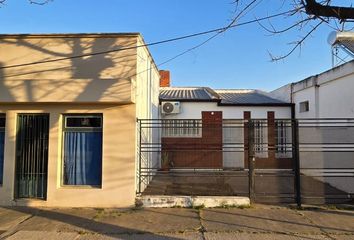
x=245, y=97
x=188, y=93
x=224, y=96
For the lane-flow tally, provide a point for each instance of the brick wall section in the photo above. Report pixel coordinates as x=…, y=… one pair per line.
x=165, y=80
x=271, y=135
x=270, y=162
x=202, y=152
x=246, y=116
x=206, y=151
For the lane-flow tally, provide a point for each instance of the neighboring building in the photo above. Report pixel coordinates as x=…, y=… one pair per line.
x=327, y=99
x=326, y=95
x=68, y=135
x=202, y=106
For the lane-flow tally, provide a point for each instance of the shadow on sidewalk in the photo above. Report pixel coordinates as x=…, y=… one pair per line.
x=78, y=224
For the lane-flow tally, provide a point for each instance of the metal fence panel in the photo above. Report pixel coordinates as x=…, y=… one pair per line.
x=281, y=160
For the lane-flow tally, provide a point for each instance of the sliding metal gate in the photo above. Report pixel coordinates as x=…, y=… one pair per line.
x=32, y=156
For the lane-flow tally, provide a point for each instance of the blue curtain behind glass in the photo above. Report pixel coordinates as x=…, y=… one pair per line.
x=2, y=141
x=82, y=158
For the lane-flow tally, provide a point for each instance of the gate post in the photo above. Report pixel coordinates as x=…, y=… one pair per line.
x=139, y=163
x=296, y=161
x=251, y=161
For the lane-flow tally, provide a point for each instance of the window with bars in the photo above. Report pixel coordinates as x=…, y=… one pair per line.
x=82, y=150
x=283, y=138
x=2, y=143
x=260, y=138
x=181, y=128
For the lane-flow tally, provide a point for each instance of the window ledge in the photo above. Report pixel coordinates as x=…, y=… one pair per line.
x=79, y=187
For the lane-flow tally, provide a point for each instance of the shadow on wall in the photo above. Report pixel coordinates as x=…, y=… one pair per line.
x=89, y=78
x=328, y=160
x=5, y=91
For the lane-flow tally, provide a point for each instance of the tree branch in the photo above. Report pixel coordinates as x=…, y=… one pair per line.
x=297, y=44
x=342, y=13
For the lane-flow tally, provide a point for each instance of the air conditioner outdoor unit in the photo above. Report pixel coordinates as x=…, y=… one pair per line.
x=170, y=107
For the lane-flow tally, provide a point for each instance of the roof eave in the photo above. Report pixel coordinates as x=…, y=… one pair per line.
x=68, y=35
x=256, y=104
x=188, y=100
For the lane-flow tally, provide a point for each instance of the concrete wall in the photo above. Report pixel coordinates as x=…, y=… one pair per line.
x=118, y=161
x=101, y=78
x=283, y=93
x=336, y=98
x=122, y=85
x=146, y=90
x=330, y=95
x=307, y=94
x=330, y=160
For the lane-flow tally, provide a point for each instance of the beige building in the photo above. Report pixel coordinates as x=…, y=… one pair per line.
x=68, y=134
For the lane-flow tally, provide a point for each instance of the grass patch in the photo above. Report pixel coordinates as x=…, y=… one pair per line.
x=101, y=213
x=228, y=206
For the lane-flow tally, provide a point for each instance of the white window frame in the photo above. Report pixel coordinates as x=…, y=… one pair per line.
x=304, y=106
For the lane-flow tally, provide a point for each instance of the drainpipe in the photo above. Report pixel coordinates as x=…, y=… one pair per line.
x=317, y=98
x=293, y=113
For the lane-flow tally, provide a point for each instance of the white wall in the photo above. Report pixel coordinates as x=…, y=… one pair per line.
x=283, y=93
x=330, y=95
x=193, y=110
x=307, y=94
x=337, y=98
x=147, y=105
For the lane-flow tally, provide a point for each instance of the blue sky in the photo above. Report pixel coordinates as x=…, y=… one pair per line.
x=237, y=58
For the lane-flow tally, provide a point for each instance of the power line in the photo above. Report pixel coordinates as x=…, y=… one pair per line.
x=212, y=37
x=218, y=30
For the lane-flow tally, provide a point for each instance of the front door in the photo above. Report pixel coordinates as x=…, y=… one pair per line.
x=32, y=156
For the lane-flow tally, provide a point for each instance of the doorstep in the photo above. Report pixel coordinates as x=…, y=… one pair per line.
x=163, y=201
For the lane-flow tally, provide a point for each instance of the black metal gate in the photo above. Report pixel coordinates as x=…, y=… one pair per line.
x=32, y=156
x=269, y=160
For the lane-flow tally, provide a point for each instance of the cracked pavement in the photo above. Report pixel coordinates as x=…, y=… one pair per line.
x=259, y=222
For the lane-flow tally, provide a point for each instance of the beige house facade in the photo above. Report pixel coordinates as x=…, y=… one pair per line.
x=68, y=110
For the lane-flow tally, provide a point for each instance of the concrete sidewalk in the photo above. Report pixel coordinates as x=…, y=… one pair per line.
x=258, y=222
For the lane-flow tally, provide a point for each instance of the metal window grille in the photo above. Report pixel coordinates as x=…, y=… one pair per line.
x=259, y=136
x=32, y=155
x=280, y=136
x=181, y=128
x=283, y=138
